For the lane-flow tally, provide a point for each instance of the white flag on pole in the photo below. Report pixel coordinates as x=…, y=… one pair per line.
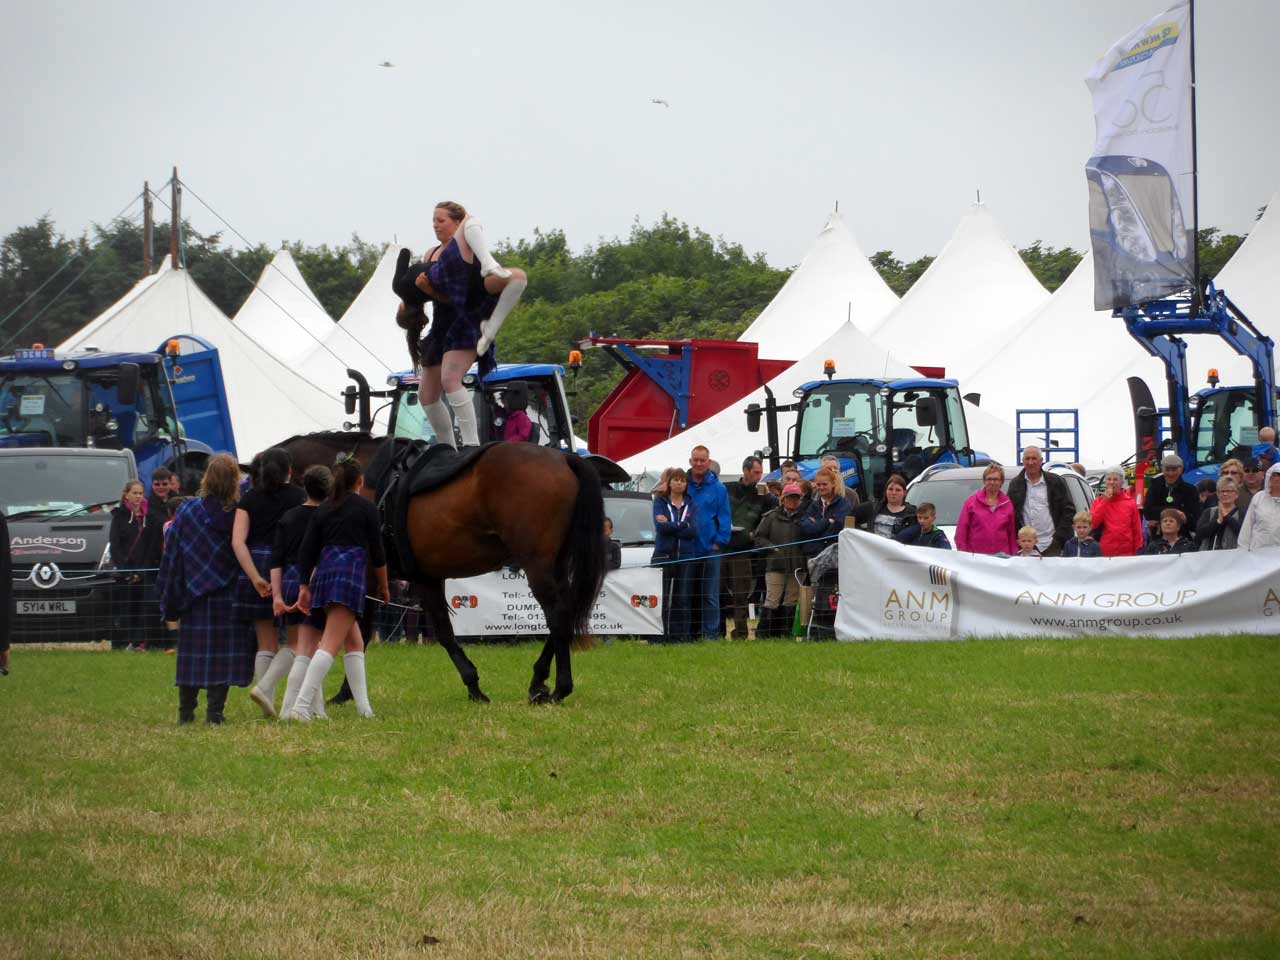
x=1140, y=175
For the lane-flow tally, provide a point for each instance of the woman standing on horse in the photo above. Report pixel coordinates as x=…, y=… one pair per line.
x=473, y=294
x=342, y=541
x=257, y=515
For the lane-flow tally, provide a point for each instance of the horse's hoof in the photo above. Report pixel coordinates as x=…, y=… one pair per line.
x=476, y=695
x=540, y=696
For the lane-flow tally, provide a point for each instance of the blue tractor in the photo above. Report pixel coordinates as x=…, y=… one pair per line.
x=875, y=427
x=168, y=407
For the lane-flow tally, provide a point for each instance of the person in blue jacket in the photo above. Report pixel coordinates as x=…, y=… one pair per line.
x=673, y=547
x=713, y=526
x=824, y=519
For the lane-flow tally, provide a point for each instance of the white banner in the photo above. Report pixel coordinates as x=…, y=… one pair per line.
x=892, y=592
x=501, y=604
x=1140, y=174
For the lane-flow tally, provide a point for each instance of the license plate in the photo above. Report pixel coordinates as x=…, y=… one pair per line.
x=46, y=606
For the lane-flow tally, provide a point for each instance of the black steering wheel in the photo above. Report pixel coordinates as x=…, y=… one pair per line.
x=860, y=442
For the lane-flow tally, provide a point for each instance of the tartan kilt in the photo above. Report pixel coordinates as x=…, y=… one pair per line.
x=248, y=605
x=214, y=647
x=340, y=577
x=290, y=580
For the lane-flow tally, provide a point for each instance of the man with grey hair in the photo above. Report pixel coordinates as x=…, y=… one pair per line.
x=1170, y=492
x=1041, y=500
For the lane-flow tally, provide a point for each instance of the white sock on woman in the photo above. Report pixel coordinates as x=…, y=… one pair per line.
x=353, y=663
x=464, y=412
x=279, y=667
x=473, y=232
x=261, y=663
x=506, y=302
x=297, y=673
x=440, y=421
x=312, y=686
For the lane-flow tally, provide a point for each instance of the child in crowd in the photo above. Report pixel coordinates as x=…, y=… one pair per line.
x=1027, y=543
x=302, y=633
x=1171, y=539
x=342, y=545
x=1082, y=544
x=612, y=546
x=923, y=533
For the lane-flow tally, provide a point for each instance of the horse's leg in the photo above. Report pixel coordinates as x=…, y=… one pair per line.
x=558, y=628
x=433, y=602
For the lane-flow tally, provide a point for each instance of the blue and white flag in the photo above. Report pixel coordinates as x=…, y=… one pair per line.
x=1141, y=221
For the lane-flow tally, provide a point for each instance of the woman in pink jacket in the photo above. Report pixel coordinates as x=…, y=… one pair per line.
x=1117, y=514
x=986, y=523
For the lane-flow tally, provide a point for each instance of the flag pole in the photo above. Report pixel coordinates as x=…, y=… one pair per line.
x=1195, y=175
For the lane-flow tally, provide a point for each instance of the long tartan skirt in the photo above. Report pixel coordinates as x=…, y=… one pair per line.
x=215, y=648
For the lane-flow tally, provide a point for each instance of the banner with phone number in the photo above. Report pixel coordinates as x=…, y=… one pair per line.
x=501, y=604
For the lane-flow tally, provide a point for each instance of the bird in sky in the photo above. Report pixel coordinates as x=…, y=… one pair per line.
x=386, y=63
x=663, y=102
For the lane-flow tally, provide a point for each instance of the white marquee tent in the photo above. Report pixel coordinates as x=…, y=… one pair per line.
x=281, y=313
x=268, y=400
x=370, y=320
x=833, y=283
x=855, y=355
x=974, y=292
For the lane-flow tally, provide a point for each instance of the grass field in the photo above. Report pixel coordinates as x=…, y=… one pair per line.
x=1099, y=798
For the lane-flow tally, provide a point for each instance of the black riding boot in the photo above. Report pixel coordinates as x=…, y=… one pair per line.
x=786, y=620
x=215, y=701
x=342, y=696
x=187, y=703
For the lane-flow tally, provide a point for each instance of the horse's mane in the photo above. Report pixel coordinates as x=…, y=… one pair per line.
x=324, y=436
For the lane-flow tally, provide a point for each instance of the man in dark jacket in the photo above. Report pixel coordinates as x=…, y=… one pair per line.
x=746, y=506
x=1170, y=492
x=1042, y=500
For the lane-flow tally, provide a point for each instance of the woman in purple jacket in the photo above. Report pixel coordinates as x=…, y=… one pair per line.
x=986, y=523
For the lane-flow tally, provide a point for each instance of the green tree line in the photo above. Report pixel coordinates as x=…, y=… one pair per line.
x=662, y=281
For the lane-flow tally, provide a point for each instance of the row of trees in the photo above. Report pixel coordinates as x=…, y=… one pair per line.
x=662, y=281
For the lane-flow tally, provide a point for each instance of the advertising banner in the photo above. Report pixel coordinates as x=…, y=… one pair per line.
x=1140, y=174
x=893, y=592
x=501, y=604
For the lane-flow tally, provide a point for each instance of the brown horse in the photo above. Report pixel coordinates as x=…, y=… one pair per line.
x=517, y=503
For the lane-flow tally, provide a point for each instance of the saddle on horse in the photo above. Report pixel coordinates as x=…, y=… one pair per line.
x=401, y=469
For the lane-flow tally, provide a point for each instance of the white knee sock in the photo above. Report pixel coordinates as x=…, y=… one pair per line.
x=261, y=663
x=353, y=663
x=473, y=231
x=312, y=686
x=297, y=673
x=440, y=421
x=507, y=300
x=278, y=668
x=464, y=412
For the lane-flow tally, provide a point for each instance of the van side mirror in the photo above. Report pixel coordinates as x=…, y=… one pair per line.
x=127, y=385
x=753, y=418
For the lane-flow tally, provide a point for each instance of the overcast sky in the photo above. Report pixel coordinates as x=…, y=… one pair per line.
x=539, y=115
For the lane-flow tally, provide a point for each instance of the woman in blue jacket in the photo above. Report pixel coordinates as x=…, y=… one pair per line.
x=674, y=534
x=824, y=519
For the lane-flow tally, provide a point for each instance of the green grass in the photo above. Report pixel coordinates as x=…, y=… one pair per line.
x=1101, y=798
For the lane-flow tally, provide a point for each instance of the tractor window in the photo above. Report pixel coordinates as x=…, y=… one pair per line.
x=410, y=420
x=847, y=417
x=1221, y=424
x=42, y=410
x=959, y=433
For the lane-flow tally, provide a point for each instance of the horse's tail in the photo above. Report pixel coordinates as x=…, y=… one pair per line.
x=582, y=560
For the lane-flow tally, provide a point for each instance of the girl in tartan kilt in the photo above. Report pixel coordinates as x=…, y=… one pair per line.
x=342, y=542
x=197, y=586
x=257, y=515
x=302, y=631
